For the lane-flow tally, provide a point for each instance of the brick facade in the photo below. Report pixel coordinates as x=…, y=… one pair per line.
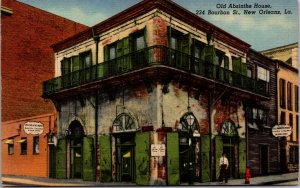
x=27, y=59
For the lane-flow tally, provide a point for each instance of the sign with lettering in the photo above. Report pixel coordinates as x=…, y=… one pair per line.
x=282, y=130
x=33, y=128
x=158, y=150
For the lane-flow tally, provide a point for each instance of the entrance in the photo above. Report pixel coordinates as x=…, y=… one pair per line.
x=125, y=157
x=189, y=160
x=76, y=158
x=76, y=153
x=264, y=159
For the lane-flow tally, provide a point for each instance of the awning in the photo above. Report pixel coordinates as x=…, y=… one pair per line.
x=22, y=140
x=127, y=155
x=9, y=141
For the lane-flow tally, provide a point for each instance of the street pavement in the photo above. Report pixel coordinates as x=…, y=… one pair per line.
x=49, y=182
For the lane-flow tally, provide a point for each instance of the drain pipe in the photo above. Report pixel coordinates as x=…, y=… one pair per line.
x=96, y=39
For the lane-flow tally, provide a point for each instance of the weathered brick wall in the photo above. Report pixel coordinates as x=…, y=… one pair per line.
x=27, y=58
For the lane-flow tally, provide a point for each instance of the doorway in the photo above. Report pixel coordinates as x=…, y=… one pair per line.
x=125, y=154
x=264, y=159
x=76, y=149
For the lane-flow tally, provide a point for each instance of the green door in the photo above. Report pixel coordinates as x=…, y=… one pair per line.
x=61, y=156
x=105, y=158
x=205, y=163
x=173, y=158
x=88, y=153
x=242, y=158
x=142, y=158
x=219, y=151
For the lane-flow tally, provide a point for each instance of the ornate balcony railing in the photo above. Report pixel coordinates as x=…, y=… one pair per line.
x=151, y=56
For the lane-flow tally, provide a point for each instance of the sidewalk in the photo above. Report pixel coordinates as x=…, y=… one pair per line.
x=33, y=181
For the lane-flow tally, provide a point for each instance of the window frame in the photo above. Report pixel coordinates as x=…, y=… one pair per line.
x=34, y=145
x=282, y=94
x=9, y=146
x=267, y=75
x=289, y=97
x=24, y=144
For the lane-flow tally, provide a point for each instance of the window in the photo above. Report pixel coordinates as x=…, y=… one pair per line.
x=291, y=124
x=10, y=146
x=112, y=52
x=85, y=59
x=282, y=118
x=296, y=98
x=258, y=116
x=289, y=96
x=263, y=74
x=23, y=142
x=69, y=65
x=249, y=72
x=297, y=128
x=293, y=152
x=282, y=92
x=36, y=147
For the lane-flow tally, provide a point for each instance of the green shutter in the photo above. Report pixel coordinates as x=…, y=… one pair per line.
x=65, y=66
x=236, y=64
x=244, y=69
x=210, y=53
x=75, y=68
x=88, y=163
x=61, y=159
x=205, y=162
x=126, y=50
x=219, y=151
x=186, y=49
x=105, y=158
x=242, y=157
x=173, y=158
x=106, y=53
x=142, y=158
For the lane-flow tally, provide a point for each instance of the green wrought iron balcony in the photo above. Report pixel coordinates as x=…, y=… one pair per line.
x=152, y=56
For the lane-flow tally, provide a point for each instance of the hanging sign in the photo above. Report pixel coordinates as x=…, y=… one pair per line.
x=282, y=130
x=33, y=128
x=158, y=150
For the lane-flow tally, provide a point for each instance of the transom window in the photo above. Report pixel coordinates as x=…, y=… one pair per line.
x=188, y=122
x=229, y=129
x=123, y=122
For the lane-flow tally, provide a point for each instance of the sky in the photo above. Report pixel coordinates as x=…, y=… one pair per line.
x=261, y=31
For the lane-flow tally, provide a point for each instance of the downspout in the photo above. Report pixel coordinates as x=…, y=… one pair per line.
x=96, y=39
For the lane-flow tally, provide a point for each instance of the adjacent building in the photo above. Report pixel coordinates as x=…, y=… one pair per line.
x=155, y=94
x=27, y=60
x=288, y=102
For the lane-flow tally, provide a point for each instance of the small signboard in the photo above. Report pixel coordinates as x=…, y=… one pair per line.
x=282, y=130
x=33, y=128
x=158, y=150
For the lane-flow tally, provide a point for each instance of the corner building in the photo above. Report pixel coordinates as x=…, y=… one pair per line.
x=152, y=95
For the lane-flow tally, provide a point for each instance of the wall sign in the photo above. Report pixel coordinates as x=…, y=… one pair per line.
x=158, y=150
x=33, y=128
x=282, y=130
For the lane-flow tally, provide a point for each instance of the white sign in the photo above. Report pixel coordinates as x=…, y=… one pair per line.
x=158, y=150
x=33, y=128
x=282, y=130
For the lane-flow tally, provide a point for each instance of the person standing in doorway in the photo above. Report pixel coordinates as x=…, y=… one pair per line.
x=223, y=168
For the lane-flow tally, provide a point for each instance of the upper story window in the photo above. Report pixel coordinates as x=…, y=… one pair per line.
x=263, y=74
x=282, y=93
x=134, y=42
x=289, y=95
x=10, y=146
x=296, y=98
x=76, y=63
x=257, y=116
x=238, y=66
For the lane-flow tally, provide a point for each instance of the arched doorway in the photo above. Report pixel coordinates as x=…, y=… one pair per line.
x=75, y=137
x=230, y=140
x=189, y=148
x=124, y=129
